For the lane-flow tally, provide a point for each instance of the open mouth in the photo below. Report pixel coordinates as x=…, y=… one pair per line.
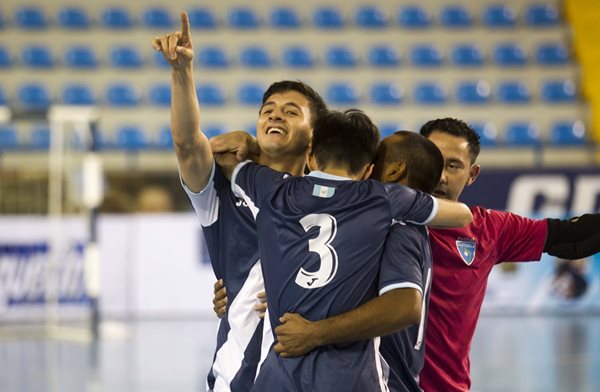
x=276, y=131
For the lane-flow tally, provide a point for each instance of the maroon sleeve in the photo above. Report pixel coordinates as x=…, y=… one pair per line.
x=520, y=238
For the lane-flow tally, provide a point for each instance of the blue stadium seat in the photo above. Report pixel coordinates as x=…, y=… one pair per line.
x=40, y=137
x=473, y=92
x=488, y=133
x=78, y=94
x=116, y=18
x=210, y=95
x=340, y=93
x=160, y=60
x=467, y=55
x=510, y=55
x=8, y=138
x=126, y=57
x=414, y=17
x=329, y=18
x=559, y=91
x=81, y=57
x=298, y=57
x=213, y=57
x=202, y=18
x=212, y=130
x=37, y=57
x=456, y=16
x=522, y=134
x=3, y=99
x=568, y=133
x=499, y=16
x=34, y=96
x=541, y=15
x=341, y=57
x=5, y=58
x=243, y=18
x=552, y=54
x=388, y=128
x=160, y=94
x=122, y=94
x=131, y=138
x=430, y=93
x=73, y=18
x=386, y=93
x=255, y=57
x=251, y=94
x=371, y=17
x=31, y=18
x=383, y=56
x=157, y=18
x=285, y=18
x=165, y=139
x=512, y=92
x=426, y=56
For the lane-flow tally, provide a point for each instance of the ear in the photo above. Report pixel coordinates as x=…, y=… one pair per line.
x=473, y=173
x=312, y=162
x=367, y=172
x=395, y=172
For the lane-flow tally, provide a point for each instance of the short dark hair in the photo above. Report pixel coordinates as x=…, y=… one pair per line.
x=424, y=161
x=348, y=139
x=317, y=105
x=455, y=127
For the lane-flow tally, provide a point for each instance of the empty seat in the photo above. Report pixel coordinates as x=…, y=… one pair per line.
x=342, y=94
x=541, y=15
x=131, y=138
x=467, y=55
x=568, y=133
x=510, y=54
x=414, y=17
x=160, y=94
x=210, y=95
x=328, y=18
x=455, y=16
x=255, y=57
x=81, y=57
x=157, y=18
x=371, y=17
x=383, y=56
x=8, y=138
x=30, y=18
x=251, y=94
x=512, y=92
x=126, y=57
x=202, y=18
x=488, y=133
x=78, y=94
x=116, y=18
x=73, y=18
x=341, y=57
x=5, y=58
x=243, y=18
x=40, y=137
x=473, y=92
x=426, y=56
x=37, y=57
x=160, y=60
x=499, y=16
x=34, y=96
x=298, y=57
x=122, y=94
x=386, y=93
x=430, y=93
x=285, y=18
x=558, y=91
x=552, y=54
x=213, y=57
x=522, y=134
x=212, y=130
x=165, y=139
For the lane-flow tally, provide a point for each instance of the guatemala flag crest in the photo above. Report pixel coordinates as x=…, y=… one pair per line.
x=466, y=249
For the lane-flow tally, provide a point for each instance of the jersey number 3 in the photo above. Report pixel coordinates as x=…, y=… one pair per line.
x=321, y=245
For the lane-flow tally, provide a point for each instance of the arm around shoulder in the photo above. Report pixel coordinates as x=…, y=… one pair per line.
x=451, y=214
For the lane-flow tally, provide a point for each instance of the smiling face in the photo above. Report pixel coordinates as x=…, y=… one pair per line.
x=284, y=127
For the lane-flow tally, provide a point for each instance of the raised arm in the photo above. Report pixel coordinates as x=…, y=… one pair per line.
x=451, y=214
x=191, y=145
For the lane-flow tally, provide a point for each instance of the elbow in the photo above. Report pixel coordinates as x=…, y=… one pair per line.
x=414, y=316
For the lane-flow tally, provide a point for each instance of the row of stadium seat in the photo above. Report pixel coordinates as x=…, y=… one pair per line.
x=507, y=54
x=469, y=92
x=326, y=17
x=132, y=137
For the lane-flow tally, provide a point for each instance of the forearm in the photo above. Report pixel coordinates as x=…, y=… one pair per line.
x=573, y=239
x=451, y=214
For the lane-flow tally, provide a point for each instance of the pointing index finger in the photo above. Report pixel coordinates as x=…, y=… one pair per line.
x=185, y=27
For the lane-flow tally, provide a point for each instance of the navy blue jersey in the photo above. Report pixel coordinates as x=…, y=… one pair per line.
x=230, y=233
x=321, y=238
x=406, y=263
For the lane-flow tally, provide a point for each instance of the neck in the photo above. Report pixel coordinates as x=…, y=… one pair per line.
x=337, y=171
x=294, y=167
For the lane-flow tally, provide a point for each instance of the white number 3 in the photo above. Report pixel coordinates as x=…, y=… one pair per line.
x=321, y=245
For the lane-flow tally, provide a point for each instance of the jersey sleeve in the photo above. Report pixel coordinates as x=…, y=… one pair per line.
x=252, y=182
x=411, y=205
x=520, y=238
x=402, y=261
x=206, y=202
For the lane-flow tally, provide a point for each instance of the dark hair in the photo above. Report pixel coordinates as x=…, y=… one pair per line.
x=316, y=104
x=349, y=139
x=424, y=161
x=454, y=127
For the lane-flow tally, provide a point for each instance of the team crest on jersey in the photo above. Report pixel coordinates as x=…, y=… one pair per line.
x=466, y=249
